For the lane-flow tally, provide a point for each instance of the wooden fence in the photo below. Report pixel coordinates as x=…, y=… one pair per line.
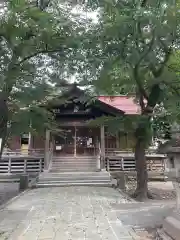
x=21, y=164
x=20, y=152
x=124, y=161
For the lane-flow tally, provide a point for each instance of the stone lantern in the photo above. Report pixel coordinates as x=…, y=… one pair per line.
x=171, y=224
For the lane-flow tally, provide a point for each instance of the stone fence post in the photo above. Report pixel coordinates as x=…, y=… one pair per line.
x=171, y=224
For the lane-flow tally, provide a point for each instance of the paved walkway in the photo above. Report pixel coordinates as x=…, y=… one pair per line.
x=69, y=213
x=144, y=215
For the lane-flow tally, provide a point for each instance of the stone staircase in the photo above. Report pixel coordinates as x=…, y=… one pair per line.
x=71, y=164
x=48, y=179
x=70, y=171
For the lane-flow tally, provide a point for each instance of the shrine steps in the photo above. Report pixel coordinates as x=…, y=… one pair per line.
x=75, y=169
x=74, y=179
x=70, y=164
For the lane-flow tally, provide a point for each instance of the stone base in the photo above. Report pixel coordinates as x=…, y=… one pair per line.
x=114, y=183
x=24, y=182
x=171, y=226
x=121, y=179
x=103, y=170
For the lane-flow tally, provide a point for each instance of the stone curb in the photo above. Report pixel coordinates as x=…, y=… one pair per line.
x=31, y=185
x=126, y=196
x=134, y=235
x=33, y=182
x=131, y=200
x=162, y=235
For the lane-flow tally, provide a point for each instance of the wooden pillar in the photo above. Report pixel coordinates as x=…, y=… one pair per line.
x=117, y=141
x=97, y=153
x=46, y=155
x=102, y=147
x=30, y=142
x=127, y=141
x=0, y=144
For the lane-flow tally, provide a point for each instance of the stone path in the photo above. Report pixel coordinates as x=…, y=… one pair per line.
x=68, y=213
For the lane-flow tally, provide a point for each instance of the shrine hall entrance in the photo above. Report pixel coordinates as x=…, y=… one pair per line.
x=77, y=141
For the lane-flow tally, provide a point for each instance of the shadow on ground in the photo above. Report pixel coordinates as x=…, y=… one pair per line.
x=8, y=191
x=144, y=215
x=9, y=221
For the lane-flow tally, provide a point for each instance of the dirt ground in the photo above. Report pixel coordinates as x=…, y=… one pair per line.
x=159, y=189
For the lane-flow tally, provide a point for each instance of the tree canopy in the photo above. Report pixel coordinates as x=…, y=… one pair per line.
x=133, y=49
x=38, y=41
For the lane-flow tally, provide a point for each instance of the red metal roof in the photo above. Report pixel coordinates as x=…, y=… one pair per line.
x=124, y=103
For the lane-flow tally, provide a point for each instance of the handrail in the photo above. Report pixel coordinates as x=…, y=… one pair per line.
x=92, y=150
x=127, y=163
x=50, y=158
x=20, y=152
x=114, y=152
x=15, y=165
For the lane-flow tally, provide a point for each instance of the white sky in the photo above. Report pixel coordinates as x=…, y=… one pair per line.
x=91, y=15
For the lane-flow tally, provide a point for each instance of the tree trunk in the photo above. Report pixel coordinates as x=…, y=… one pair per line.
x=3, y=137
x=3, y=121
x=143, y=135
x=141, y=168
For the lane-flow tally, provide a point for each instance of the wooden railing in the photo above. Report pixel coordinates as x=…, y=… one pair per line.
x=126, y=162
x=18, y=165
x=92, y=151
x=31, y=152
x=114, y=151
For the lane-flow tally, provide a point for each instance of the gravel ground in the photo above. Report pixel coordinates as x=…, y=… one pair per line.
x=152, y=234
x=8, y=191
x=148, y=234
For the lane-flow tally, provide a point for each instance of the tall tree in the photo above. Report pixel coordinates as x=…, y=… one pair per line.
x=34, y=43
x=131, y=47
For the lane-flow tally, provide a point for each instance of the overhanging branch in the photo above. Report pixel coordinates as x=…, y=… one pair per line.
x=43, y=4
x=36, y=54
x=136, y=68
x=143, y=3
x=176, y=90
x=147, y=51
x=168, y=51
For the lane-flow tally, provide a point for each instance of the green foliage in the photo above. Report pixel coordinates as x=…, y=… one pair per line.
x=161, y=124
x=135, y=41
x=135, y=52
x=114, y=124
x=37, y=49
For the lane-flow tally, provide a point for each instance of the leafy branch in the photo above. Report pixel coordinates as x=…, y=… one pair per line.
x=46, y=51
x=143, y=3
x=168, y=52
x=136, y=71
